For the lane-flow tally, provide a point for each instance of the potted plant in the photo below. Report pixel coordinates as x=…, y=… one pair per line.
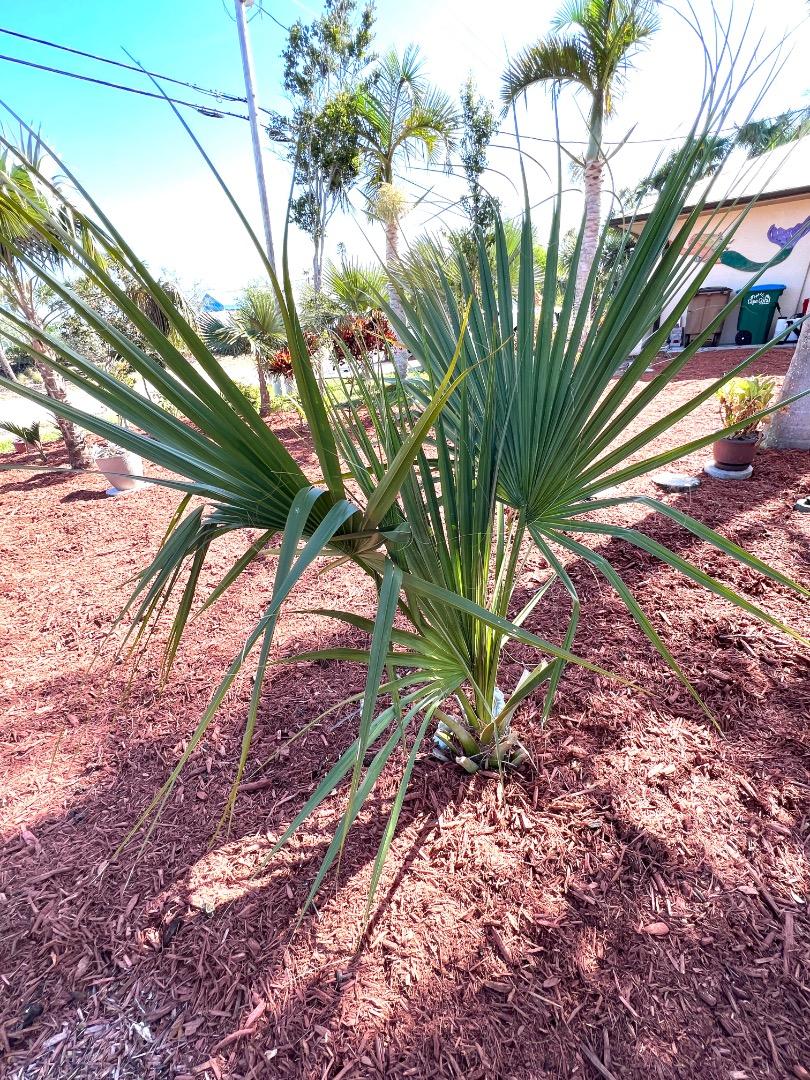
x=741, y=398
x=25, y=436
x=122, y=468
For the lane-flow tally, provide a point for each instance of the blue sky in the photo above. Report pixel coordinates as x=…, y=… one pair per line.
x=132, y=153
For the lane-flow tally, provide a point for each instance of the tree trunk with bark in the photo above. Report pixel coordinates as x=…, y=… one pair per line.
x=593, y=214
x=392, y=265
x=74, y=438
x=790, y=428
x=264, y=393
x=317, y=267
x=5, y=367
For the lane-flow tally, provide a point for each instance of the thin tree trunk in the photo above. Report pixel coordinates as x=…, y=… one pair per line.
x=74, y=438
x=5, y=366
x=317, y=267
x=264, y=393
x=392, y=265
x=790, y=428
x=593, y=216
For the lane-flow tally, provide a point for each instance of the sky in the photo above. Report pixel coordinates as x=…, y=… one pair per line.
x=131, y=152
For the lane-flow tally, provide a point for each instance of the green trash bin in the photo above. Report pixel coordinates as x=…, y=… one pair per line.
x=757, y=310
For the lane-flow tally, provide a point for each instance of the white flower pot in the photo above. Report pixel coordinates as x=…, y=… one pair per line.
x=122, y=471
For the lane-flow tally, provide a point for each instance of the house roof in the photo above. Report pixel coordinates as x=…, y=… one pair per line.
x=732, y=200
x=787, y=166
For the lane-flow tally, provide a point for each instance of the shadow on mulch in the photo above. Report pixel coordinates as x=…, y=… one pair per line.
x=510, y=936
x=85, y=495
x=634, y=906
x=37, y=480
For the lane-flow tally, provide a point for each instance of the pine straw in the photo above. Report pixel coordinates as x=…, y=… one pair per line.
x=633, y=907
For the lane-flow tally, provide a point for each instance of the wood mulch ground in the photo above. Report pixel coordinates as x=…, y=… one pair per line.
x=635, y=906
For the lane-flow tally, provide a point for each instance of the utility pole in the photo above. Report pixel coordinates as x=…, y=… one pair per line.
x=250, y=94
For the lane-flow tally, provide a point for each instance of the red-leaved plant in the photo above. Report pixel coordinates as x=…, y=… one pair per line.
x=361, y=334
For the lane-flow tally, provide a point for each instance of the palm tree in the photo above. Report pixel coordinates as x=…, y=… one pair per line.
x=255, y=328
x=354, y=287
x=154, y=312
x=589, y=48
x=26, y=207
x=401, y=115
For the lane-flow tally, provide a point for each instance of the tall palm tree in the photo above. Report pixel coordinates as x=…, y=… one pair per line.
x=26, y=207
x=589, y=48
x=255, y=328
x=402, y=115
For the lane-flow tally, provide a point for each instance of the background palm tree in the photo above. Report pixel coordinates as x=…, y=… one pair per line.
x=255, y=328
x=27, y=206
x=356, y=288
x=589, y=49
x=155, y=313
x=401, y=115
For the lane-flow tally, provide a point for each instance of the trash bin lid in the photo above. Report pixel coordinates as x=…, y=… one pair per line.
x=766, y=288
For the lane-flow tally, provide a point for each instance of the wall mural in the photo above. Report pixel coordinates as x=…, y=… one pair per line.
x=786, y=239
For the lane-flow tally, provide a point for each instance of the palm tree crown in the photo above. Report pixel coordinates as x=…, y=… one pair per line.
x=402, y=113
x=589, y=48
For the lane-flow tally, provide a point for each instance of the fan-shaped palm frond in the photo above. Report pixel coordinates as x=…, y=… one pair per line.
x=255, y=328
x=356, y=287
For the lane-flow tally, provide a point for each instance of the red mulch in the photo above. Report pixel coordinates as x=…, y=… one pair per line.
x=635, y=907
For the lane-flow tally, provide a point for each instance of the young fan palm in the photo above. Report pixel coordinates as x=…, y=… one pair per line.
x=355, y=288
x=401, y=115
x=256, y=328
x=520, y=429
x=589, y=49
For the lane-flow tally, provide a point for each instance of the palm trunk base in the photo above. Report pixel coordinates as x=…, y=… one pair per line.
x=74, y=438
x=264, y=393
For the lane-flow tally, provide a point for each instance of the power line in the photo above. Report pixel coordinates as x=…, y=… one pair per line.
x=203, y=109
x=584, y=142
x=219, y=94
x=262, y=10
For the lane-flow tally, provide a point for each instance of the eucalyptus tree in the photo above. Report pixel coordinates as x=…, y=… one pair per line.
x=325, y=68
x=589, y=49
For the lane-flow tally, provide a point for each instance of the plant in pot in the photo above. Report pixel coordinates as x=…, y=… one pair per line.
x=25, y=435
x=740, y=398
x=121, y=467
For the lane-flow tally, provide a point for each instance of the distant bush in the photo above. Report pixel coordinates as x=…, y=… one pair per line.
x=361, y=334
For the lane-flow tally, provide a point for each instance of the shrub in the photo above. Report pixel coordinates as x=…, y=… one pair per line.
x=362, y=334
x=27, y=433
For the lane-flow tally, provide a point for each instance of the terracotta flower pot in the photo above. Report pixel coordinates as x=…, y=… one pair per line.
x=122, y=470
x=735, y=453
